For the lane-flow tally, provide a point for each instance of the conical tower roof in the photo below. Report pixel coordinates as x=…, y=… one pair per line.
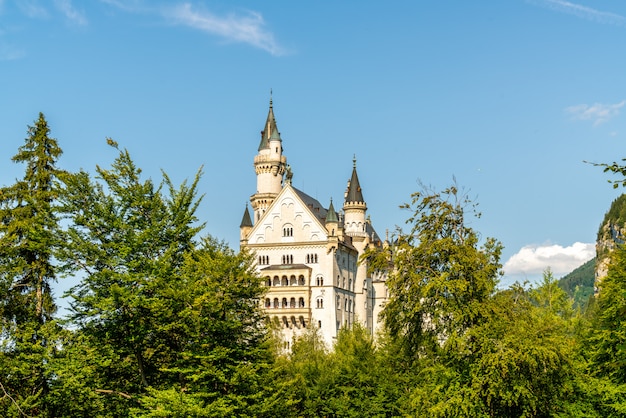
x=331, y=216
x=354, y=190
x=246, y=220
x=270, y=130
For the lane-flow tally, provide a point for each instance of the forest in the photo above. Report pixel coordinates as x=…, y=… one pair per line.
x=165, y=321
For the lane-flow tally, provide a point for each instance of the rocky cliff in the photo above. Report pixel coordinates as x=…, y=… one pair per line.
x=612, y=233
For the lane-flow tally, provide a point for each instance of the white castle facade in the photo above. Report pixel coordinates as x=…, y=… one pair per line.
x=309, y=255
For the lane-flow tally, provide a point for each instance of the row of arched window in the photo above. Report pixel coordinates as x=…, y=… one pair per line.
x=264, y=259
x=283, y=303
x=311, y=258
x=284, y=281
x=287, y=259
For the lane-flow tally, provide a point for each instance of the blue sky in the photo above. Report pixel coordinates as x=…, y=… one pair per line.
x=507, y=97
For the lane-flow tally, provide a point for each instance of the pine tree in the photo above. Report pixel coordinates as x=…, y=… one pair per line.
x=28, y=226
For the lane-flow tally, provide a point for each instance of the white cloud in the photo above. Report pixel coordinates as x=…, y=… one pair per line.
x=598, y=112
x=581, y=11
x=247, y=29
x=66, y=7
x=532, y=260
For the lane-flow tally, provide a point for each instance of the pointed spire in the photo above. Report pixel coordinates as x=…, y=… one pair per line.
x=246, y=221
x=270, y=130
x=331, y=216
x=354, y=189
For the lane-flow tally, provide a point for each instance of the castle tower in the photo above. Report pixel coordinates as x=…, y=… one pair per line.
x=270, y=165
x=245, y=227
x=354, y=209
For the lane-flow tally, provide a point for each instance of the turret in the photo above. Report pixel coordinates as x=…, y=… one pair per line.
x=245, y=227
x=354, y=208
x=270, y=165
x=332, y=221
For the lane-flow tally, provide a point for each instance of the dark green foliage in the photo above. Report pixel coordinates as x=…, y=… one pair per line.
x=609, y=326
x=579, y=284
x=28, y=239
x=212, y=321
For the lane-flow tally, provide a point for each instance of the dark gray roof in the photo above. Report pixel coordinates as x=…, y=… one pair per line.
x=246, y=220
x=354, y=190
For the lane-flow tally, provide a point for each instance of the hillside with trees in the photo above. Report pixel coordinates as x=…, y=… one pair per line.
x=165, y=320
x=579, y=284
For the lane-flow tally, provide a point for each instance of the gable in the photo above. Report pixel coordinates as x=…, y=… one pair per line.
x=290, y=219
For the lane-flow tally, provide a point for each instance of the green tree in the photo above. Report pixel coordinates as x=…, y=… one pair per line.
x=127, y=238
x=470, y=349
x=28, y=227
x=608, y=337
x=440, y=278
x=220, y=343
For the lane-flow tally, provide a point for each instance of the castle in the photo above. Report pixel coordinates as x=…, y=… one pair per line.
x=307, y=254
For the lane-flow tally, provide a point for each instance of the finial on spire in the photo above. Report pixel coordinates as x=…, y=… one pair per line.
x=270, y=97
x=354, y=161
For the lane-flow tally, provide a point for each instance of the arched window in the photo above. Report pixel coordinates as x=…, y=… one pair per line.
x=287, y=230
x=319, y=281
x=301, y=280
x=293, y=281
x=301, y=303
x=268, y=282
x=268, y=303
x=276, y=305
x=338, y=302
x=284, y=281
x=292, y=302
x=319, y=303
x=284, y=303
x=276, y=281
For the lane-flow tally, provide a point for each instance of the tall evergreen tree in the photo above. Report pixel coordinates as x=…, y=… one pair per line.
x=28, y=227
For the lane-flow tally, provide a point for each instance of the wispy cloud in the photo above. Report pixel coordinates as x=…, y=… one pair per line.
x=598, y=112
x=70, y=12
x=249, y=29
x=532, y=260
x=581, y=11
